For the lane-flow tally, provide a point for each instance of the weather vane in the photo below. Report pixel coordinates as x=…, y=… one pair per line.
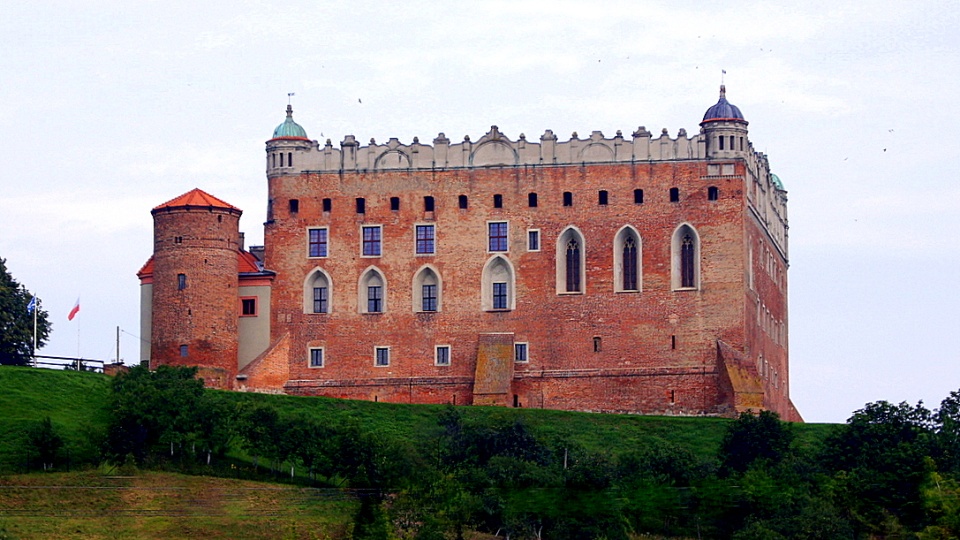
x=291, y=94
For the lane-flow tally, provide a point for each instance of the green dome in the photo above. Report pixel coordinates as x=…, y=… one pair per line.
x=289, y=128
x=776, y=182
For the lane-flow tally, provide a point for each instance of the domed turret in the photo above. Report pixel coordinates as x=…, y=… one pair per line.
x=289, y=129
x=724, y=129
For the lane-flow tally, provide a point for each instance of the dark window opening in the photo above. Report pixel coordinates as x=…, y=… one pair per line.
x=573, y=266
x=248, y=306
x=520, y=352
x=532, y=200
x=219, y=219
x=382, y=359
x=274, y=155
x=177, y=239
x=567, y=198
x=498, y=201
x=499, y=296
x=673, y=396
x=443, y=355
x=320, y=300
x=327, y=204
x=361, y=205
x=181, y=281
x=638, y=196
x=428, y=204
x=374, y=299
x=741, y=143
x=687, y=259
x=394, y=203
x=597, y=344
x=721, y=142
x=463, y=202
x=629, y=265
x=281, y=159
x=516, y=401
x=289, y=159
x=533, y=240
x=674, y=194
x=294, y=206
x=183, y=350
x=731, y=142
x=316, y=357
x=429, y=298
x=673, y=342
x=713, y=193
x=602, y=197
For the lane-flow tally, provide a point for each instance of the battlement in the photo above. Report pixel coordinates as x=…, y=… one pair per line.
x=491, y=150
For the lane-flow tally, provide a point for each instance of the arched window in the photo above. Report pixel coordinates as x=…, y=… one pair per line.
x=317, y=292
x=627, y=260
x=426, y=290
x=571, y=251
x=372, y=292
x=685, y=258
x=498, y=283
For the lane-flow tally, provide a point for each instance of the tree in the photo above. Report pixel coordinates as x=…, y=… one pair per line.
x=16, y=322
x=752, y=438
x=44, y=443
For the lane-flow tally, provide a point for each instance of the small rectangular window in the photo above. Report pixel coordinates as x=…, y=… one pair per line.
x=498, y=201
x=497, y=235
x=674, y=194
x=638, y=196
x=567, y=198
x=425, y=239
x=371, y=241
x=532, y=200
x=327, y=205
x=381, y=356
x=429, y=297
x=428, y=204
x=181, y=281
x=361, y=205
x=320, y=304
x=294, y=206
x=317, y=242
x=602, y=197
x=177, y=239
x=462, y=201
x=394, y=203
x=183, y=350
x=443, y=355
x=721, y=141
x=500, y=295
x=533, y=240
x=597, y=343
x=520, y=352
x=248, y=307
x=713, y=193
x=316, y=357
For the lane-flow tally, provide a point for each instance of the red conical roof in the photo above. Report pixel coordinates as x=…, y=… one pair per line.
x=196, y=198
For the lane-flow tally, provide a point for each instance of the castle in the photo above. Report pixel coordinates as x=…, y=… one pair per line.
x=632, y=274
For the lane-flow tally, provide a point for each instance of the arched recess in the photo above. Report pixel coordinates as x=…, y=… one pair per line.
x=570, y=259
x=392, y=159
x=427, y=290
x=498, y=284
x=627, y=260
x=685, y=258
x=494, y=153
x=372, y=291
x=596, y=152
x=318, y=292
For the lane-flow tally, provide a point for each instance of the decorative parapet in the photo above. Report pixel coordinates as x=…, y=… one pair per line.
x=492, y=150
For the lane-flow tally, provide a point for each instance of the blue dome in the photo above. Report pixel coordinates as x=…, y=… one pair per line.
x=723, y=110
x=776, y=182
x=289, y=128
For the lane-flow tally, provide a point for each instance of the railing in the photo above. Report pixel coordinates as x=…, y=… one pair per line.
x=66, y=362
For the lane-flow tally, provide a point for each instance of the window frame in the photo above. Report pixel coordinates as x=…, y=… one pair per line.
x=311, y=360
x=417, y=240
x=525, y=346
x=323, y=246
x=505, y=237
x=364, y=242
x=531, y=233
x=243, y=306
x=385, y=349
x=437, y=355
x=500, y=295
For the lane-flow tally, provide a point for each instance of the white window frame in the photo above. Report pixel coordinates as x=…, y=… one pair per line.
x=416, y=240
x=506, y=236
x=526, y=351
x=539, y=240
x=323, y=357
x=362, y=229
x=436, y=355
x=327, y=243
x=376, y=351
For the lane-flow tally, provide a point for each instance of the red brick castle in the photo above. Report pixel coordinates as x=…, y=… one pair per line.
x=636, y=275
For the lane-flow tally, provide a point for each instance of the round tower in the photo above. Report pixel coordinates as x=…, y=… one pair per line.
x=196, y=238
x=724, y=130
x=285, y=147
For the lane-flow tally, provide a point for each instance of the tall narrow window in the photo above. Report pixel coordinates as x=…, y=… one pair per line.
x=497, y=235
x=713, y=193
x=320, y=302
x=181, y=281
x=462, y=202
x=316, y=357
x=674, y=194
x=394, y=203
x=721, y=141
x=426, y=290
x=573, y=266
x=361, y=205
x=373, y=292
x=317, y=292
x=629, y=264
x=281, y=159
x=638, y=196
x=567, y=198
x=428, y=204
x=317, y=242
x=381, y=356
x=500, y=295
x=374, y=298
x=443, y=355
x=498, y=201
x=687, y=259
x=429, y=300
x=532, y=200
x=602, y=198
x=597, y=343
x=520, y=352
x=533, y=240
x=371, y=241
x=425, y=239
x=183, y=350
x=289, y=159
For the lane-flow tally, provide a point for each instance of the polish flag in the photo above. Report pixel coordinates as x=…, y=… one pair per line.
x=74, y=311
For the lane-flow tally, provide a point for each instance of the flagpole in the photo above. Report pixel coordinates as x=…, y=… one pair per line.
x=36, y=308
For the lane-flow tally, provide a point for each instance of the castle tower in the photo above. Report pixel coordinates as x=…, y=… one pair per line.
x=725, y=130
x=286, y=146
x=194, y=286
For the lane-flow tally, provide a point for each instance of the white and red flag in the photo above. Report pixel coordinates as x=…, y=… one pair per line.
x=74, y=311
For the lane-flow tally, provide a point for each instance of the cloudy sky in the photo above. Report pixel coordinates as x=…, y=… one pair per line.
x=108, y=108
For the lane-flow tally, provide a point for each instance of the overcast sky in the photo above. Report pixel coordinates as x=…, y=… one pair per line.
x=110, y=108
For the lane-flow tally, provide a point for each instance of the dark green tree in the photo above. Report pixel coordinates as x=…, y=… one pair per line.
x=754, y=438
x=16, y=322
x=44, y=444
x=948, y=434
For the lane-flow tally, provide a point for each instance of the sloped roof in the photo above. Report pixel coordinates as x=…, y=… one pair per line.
x=247, y=263
x=196, y=198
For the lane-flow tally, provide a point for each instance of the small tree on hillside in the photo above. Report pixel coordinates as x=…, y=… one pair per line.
x=755, y=438
x=44, y=444
x=16, y=321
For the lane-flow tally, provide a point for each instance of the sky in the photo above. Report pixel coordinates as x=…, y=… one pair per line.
x=109, y=108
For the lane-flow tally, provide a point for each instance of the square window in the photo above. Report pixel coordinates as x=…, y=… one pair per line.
x=248, y=307
x=533, y=240
x=497, y=235
x=317, y=242
x=500, y=295
x=320, y=302
x=371, y=241
x=381, y=356
x=443, y=355
x=316, y=357
x=520, y=352
x=425, y=239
